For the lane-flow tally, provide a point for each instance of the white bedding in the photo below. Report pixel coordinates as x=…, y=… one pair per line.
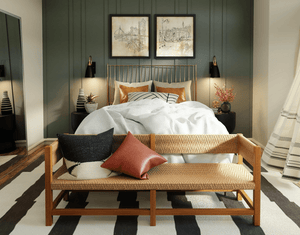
x=156, y=116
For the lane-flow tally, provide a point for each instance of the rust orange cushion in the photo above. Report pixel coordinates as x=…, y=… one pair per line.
x=124, y=90
x=133, y=158
x=177, y=91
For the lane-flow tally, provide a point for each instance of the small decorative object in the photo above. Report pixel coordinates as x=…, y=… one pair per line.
x=175, y=36
x=216, y=104
x=130, y=36
x=226, y=96
x=90, y=104
x=6, y=105
x=80, y=101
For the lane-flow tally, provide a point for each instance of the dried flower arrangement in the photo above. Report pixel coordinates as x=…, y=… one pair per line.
x=90, y=99
x=225, y=94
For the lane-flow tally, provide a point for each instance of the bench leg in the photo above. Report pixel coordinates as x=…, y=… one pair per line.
x=49, y=207
x=152, y=207
x=256, y=205
x=239, y=196
x=66, y=196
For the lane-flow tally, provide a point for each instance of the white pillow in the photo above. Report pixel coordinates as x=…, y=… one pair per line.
x=186, y=85
x=173, y=158
x=86, y=171
x=167, y=97
x=209, y=158
x=136, y=84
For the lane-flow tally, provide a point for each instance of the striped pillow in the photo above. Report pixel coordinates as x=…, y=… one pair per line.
x=168, y=97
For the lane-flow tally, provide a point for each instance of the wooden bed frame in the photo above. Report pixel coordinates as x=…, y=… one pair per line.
x=167, y=144
x=142, y=73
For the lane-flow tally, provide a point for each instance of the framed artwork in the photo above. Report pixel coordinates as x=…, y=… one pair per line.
x=175, y=36
x=130, y=36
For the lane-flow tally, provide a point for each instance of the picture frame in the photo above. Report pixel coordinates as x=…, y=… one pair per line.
x=130, y=36
x=175, y=36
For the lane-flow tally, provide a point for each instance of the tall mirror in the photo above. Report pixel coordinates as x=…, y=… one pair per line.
x=13, y=145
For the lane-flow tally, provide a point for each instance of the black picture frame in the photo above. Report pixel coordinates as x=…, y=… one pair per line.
x=126, y=31
x=172, y=39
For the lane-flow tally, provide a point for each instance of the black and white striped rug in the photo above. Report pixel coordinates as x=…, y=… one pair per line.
x=22, y=210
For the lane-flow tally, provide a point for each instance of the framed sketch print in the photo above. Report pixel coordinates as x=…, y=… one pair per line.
x=130, y=36
x=175, y=36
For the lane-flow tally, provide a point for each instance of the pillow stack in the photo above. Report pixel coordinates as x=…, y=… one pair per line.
x=89, y=156
x=84, y=154
x=123, y=89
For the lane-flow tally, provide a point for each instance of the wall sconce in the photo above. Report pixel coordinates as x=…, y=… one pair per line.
x=91, y=69
x=213, y=69
x=2, y=71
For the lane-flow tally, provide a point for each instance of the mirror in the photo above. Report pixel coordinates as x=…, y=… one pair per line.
x=13, y=145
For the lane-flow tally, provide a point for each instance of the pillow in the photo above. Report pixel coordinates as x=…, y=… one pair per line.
x=167, y=97
x=137, y=84
x=84, y=154
x=179, y=91
x=133, y=158
x=124, y=90
x=186, y=85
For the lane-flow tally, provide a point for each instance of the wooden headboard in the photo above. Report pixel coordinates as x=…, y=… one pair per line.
x=142, y=73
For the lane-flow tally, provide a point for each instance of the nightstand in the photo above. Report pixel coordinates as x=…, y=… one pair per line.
x=228, y=119
x=76, y=119
x=7, y=128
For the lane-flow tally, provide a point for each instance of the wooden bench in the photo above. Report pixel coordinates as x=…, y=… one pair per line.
x=215, y=177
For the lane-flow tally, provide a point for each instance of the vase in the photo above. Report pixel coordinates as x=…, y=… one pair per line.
x=6, y=107
x=80, y=102
x=225, y=107
x=91, y=107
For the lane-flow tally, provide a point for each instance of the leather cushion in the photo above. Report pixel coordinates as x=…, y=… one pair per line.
x=124, y=90
x=133, y=158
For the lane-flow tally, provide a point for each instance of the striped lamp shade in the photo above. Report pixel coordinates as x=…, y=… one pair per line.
x=6, y=107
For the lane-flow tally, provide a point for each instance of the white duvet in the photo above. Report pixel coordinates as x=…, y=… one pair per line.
x=156, y=116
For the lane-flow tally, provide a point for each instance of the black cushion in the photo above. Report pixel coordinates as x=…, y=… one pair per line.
x=86, y=148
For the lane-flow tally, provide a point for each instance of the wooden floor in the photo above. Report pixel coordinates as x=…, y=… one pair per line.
x=29, y=157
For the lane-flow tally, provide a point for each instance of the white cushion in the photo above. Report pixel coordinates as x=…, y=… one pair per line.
x=209, y=158
x=186, y=85
x=167, y=97
x=136, y=84
x=173, y=158
x=86, y=171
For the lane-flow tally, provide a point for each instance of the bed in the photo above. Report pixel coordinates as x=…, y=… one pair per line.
x=154, y=115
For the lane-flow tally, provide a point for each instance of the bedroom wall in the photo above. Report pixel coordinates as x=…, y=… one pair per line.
x=276, y=46
x=30, y=12
x=75, y=29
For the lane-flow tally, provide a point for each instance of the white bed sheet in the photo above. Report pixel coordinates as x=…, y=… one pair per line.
x=156, y=116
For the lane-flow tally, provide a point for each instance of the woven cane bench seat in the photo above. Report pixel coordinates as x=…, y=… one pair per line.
x=169, y=176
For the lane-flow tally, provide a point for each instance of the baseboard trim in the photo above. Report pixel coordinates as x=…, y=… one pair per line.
x=21, y=143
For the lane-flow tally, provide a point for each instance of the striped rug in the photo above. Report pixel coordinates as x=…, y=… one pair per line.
x=22, y=210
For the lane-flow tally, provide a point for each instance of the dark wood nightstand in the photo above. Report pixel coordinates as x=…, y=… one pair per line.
x=228, y=119
x=76, y=119
x=7, y=128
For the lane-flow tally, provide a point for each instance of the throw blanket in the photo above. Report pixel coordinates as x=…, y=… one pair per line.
x=157, y=116
x=153, y=116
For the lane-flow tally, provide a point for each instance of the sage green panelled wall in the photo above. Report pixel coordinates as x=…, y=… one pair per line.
x=75, y=29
